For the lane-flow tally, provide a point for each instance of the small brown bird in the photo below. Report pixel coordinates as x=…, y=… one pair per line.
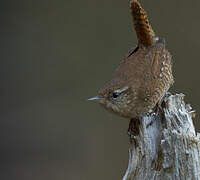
x=143, y=77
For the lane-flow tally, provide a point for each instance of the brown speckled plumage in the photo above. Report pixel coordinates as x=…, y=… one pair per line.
x=144, y=31
x=143, y=77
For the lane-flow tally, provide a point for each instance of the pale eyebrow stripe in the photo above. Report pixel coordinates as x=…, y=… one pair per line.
x=121, y=90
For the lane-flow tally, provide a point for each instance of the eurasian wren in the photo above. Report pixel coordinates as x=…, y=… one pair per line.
x=143, y=77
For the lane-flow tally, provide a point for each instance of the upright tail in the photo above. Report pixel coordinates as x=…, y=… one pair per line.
x=144, y=31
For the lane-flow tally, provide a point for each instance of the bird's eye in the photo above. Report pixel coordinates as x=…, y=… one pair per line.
x=115, y=94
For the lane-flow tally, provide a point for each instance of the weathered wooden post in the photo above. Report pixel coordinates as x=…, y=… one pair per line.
x=166, y=145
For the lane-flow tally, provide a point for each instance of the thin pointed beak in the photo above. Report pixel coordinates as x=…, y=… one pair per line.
x=95, y=98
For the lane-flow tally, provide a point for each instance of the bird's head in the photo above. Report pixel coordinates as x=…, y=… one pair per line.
x=115, y=99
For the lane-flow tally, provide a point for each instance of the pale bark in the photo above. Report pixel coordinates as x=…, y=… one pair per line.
x=165, y=145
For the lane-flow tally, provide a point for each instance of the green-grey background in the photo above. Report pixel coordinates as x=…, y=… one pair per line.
x=56, y=54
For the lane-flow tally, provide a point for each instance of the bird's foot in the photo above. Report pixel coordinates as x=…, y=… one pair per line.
x=133, y=129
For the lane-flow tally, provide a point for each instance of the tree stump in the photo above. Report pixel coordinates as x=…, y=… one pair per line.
x=165, y=145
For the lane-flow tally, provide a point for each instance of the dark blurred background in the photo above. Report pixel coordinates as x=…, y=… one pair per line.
x=56, y=54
